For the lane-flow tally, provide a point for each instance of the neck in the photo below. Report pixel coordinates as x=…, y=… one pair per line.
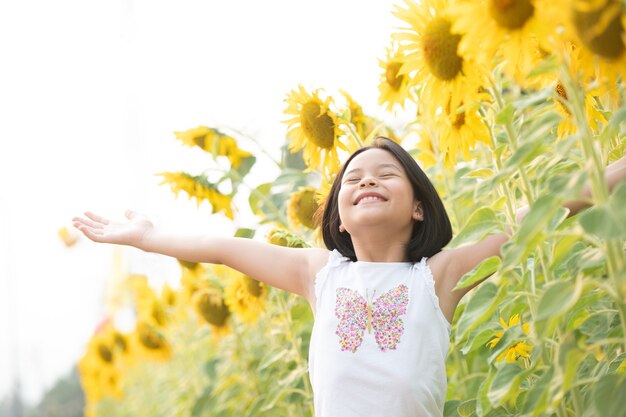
x=381, y=246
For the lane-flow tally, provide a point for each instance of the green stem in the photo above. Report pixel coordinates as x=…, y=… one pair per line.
x=526, y=189
x=261, y=148
x=296, y=348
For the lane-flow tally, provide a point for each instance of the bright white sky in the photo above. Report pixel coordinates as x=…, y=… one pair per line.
x=90, y=95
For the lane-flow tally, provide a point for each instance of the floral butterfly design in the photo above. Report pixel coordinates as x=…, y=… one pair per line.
x=384, y=315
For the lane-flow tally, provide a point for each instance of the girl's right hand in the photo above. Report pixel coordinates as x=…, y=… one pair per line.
x=100, y=229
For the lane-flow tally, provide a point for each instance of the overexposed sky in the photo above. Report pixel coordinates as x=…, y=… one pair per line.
x=90, y=95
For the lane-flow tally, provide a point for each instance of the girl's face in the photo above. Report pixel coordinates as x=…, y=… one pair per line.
x=376, y=191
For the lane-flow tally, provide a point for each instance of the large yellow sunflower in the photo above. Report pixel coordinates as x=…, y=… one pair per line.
x=515, y=31
x=199, y=188
x=394, y=86
x=215, y=142
x=316, y=129
x=598, y=27
x=433, y=60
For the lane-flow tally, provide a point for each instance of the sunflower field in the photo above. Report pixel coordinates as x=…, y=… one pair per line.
x=518, y=103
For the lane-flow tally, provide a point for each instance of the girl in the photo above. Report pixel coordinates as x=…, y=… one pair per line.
x=382, y=292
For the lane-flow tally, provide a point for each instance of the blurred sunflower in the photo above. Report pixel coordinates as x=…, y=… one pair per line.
x=285, y=238
x=210, y=308
x=150, y=341
x=427, y=155
x=245, y=296
x=199, y=188
x=515, y=31
x=567, y=125
x=515, y=351
x=302, y=207
x=394, y=86
x=599, y=28
x=315, y=129
x=460, y=131
x=192, y=274
x=433, y=60
x=215, y=142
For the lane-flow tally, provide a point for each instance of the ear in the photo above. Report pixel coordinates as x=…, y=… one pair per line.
x=418, y=211
x=342, y=228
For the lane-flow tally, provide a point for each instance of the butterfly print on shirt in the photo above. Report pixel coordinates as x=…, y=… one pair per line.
x=384, y=315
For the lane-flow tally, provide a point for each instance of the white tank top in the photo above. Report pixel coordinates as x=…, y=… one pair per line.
x=379, y=340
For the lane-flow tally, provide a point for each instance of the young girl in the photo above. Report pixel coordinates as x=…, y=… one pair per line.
x=382, y=293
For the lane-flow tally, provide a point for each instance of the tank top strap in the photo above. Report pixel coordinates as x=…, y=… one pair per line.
x=427, y=276
x=335, y=259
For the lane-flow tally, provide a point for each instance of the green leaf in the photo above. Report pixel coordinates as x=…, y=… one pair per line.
x=505, y=116
x=256, y=197
x=480, y=306
x=538, y=397
x=505, y=384
x=570, y=358
x=480, y=272
x=480, y=173
x=245, y=232
x=559, y=298
x=608, y=221
x=608, y=395
x=525, y=153
x=477, y=340
x=480, y=223
x=245, y=165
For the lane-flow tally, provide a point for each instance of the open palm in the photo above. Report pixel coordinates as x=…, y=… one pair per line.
x=100, y=229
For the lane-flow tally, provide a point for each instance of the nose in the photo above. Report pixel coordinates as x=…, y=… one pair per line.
x=367, y=182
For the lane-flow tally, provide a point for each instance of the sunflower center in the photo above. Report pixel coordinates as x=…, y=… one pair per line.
x=253, y=286
x=600, y=28
x=561, y=96
x=105, y=353
x=319, y=128
x=213, y=309
x=391, y=75
x=150, y=337
x=306, y=206
x=440, y=49
x=459, y=120
x=511, y=14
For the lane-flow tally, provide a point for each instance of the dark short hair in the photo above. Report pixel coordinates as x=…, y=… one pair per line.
x=428, y=237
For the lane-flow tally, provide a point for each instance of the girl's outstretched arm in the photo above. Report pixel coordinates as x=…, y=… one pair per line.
x=290, y=269
x=450, y=265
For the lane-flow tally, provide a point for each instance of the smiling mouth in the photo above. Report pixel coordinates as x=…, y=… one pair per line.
x=369, y=199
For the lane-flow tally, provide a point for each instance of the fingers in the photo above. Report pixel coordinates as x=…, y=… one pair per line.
x=93, y=234
x=96, y=218
x=77, y=221
x=130, y=214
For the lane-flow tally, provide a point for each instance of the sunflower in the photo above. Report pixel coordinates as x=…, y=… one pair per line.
x=215, y=142
x=199, y=188
x=515, y=351
x=432, y=56
x=245, y=296
x=150, y=341
x=598, y=27
x=460, y=131
x=210, y=308
x=515, y=31
x=302, y=207
x=394, y=86
x=315, y=129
